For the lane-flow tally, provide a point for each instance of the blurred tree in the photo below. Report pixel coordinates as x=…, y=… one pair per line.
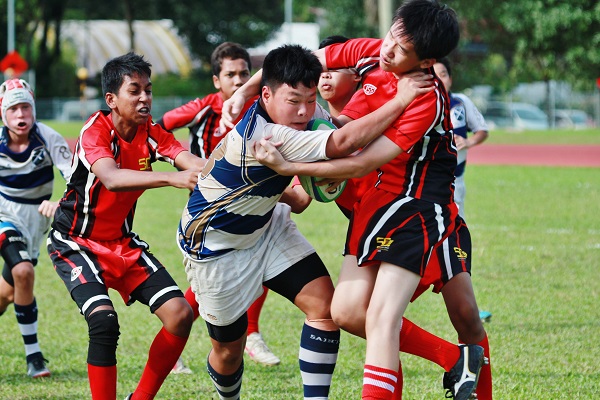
x=351, y=18
x=539, y=40
x=503, y=42
x=207, y=23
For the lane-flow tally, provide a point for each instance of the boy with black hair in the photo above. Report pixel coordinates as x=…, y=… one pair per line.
x=92, y=245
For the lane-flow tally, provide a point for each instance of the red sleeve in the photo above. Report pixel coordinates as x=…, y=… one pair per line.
x=422, y=115
x=355, y=53
x=167, y=145
x=185, y=114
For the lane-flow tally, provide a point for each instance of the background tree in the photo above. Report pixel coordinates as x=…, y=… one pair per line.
x=538, y=40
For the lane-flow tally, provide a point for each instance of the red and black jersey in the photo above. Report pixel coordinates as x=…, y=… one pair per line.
x=425, y=168
x=202, y=117
x=88, y=209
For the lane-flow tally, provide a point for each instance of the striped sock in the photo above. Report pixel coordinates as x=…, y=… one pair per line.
x=27, y=317
x=318, y=355
x=378, y=383
x=228, y=386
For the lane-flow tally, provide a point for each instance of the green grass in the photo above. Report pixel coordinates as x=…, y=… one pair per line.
x=536, y=245
x=556, y=136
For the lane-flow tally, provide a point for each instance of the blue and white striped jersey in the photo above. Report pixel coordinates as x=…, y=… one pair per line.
x=465, y=118
x=233, y=202
x=28, y=177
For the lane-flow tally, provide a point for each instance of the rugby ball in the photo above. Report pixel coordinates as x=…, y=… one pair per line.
x=323, y=194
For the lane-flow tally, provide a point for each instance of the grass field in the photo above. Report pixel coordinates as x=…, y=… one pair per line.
x=536, y=245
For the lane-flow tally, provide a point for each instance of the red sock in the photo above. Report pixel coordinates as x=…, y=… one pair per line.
x=164, y=351
x=254, y=311
x=417, y=341
x=103, y=382
x=484, y=385
x=378, y=383
x=399, y=384
x=191, y=299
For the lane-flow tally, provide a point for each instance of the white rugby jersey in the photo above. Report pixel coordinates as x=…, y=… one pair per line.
x=28, y=177
x=234, y=199
x=465, y=118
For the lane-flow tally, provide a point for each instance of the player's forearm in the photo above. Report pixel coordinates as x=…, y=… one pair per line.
x=250, y=88
x=341, y=168
x=477, y=138
x=360, y=132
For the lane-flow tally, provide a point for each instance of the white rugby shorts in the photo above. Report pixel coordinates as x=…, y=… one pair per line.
x=227, y=286
x=32, y=225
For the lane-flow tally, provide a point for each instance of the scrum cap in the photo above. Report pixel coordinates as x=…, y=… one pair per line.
x=13, y=92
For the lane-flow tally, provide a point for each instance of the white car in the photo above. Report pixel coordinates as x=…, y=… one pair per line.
x=517, y=116
x=572, y=119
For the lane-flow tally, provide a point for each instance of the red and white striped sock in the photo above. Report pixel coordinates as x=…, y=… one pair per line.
x=378, y=383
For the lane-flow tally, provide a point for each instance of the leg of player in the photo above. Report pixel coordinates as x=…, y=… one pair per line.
x=27, y=316
x=177, y=317
x=463, y=312
x=383, y=324
x=180, y=367
x=225, y=362
x=349, y=308
x=320, y=339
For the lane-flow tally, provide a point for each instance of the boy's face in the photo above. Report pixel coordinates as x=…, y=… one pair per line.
x=289, y=106
x=337, y=84
x=134, y=100
x=19, y=118
x=397, y=54
x=234, y=73
x=442, y=73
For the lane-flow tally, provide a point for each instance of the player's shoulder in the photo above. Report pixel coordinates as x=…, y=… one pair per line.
x=463, y=98
x=46, y=130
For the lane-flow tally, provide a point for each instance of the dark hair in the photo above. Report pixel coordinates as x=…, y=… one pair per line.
x=290, y=64
x=446, y=63
x=231, y=50
x=430, y=26
x=125, y=65
x=333, y=39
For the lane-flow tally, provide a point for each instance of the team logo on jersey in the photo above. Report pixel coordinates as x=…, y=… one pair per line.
x=384, y=243
x=458, y=117
x=460, y=253
x=369, y=89
x=38, y=156
x=75, y=272
x=144, y=164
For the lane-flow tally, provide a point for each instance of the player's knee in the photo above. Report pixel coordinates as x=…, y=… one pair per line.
x=23, y=274
x=103, y=332
x=229, y=355
x=177, y=316
x=346, y=316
